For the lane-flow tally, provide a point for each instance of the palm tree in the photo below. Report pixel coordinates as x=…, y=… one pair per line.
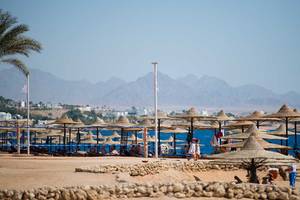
x=13, y=43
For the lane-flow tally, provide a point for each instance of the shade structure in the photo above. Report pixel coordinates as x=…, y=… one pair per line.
x=255, y=116
x=280, y=131
x=90, y=141
x=171, y=139
x=99, y=123
x=191, y=115
x=285, y=113
x=79, y=124
x=122, y=122
x=239, y=124
x=146, y=123
x=174, y=130
x=110, y=141
x=252, y=150
x=64, y=120
x=221, y=116
x=261, y=141
x=251, y=129
x=115, y=135
x=160, y=115
x=132, y=137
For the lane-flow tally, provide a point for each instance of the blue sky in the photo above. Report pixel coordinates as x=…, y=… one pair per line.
x=239, y=41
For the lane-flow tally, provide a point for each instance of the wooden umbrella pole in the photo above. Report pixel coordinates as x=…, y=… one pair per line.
x=287, y=130
x=145, y=143
x=296, y=142
x=65, y=137
x=97, y=139
x=174, y=143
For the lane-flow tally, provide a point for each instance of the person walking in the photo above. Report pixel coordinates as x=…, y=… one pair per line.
x=195, y=149
x=292, y=175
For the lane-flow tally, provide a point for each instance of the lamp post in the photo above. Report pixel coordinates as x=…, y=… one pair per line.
x=155, y=106
x=28, y=111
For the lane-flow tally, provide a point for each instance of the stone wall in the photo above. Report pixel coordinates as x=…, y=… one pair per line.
x=177, y=190
x=156, y=167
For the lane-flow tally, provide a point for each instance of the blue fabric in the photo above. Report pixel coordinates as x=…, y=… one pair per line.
x=292, y=177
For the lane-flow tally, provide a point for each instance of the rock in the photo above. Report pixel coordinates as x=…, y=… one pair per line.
x=263, y=195
x=283, y=196
x=207, y=194
x=178, y=187
x=239, y=196
x=272, y=195
x=248, y=194
x=179, y=195
x=198, y=188
x=142, y=189
x=294, y=197
x=92, y=195
x=219, y=191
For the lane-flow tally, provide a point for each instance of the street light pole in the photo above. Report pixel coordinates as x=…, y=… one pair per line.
x=155, y=107
x=28, y=128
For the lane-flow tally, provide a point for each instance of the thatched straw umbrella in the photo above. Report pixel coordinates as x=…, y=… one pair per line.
x=285, y=113
x=253, y=156
x=257, y=116
x=239, y=124
x=64, y=120
x=160, y=117
x=174, y=131
x=222, y=118
x=295, y=120
x=260, y=140
x=190, y=115
x=246, y=134
x=123, y=123
x=99, y=123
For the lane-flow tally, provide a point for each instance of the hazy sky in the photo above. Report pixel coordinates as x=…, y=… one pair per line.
x=239, y=41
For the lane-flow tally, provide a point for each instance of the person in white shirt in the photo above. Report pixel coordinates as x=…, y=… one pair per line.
x=194, y=149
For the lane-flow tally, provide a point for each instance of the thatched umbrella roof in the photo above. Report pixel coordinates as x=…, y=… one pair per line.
x=221, y=116
x=122, y=122
x=160, y=115
x=175, y=130
x=257, y=116
x=261, y=141
x=64, y=120
x=281, y=131
x=146, y=123
x=191, y=113
x=284, y=112
x=252, y=150
x=115, y=135
x=110, y=141
x=171, y=139
x=99, y=123
x=239, y=124
x=251, y=129
x=79, y=124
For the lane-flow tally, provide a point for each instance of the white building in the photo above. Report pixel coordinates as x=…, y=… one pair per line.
x=5, y=116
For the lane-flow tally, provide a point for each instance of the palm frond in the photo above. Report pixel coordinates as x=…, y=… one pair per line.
x=6, y=21
x=18, y=64
x=21, y=45
x=13, y=33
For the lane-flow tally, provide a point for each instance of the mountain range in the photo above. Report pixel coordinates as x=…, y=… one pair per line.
x=186, y=91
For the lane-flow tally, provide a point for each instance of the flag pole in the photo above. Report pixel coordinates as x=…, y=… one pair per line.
x=155, y=107
x=28, y=128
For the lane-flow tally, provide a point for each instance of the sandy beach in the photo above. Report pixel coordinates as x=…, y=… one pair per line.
x=35, y=172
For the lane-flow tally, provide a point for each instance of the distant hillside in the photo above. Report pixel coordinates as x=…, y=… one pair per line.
x=186, y=91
